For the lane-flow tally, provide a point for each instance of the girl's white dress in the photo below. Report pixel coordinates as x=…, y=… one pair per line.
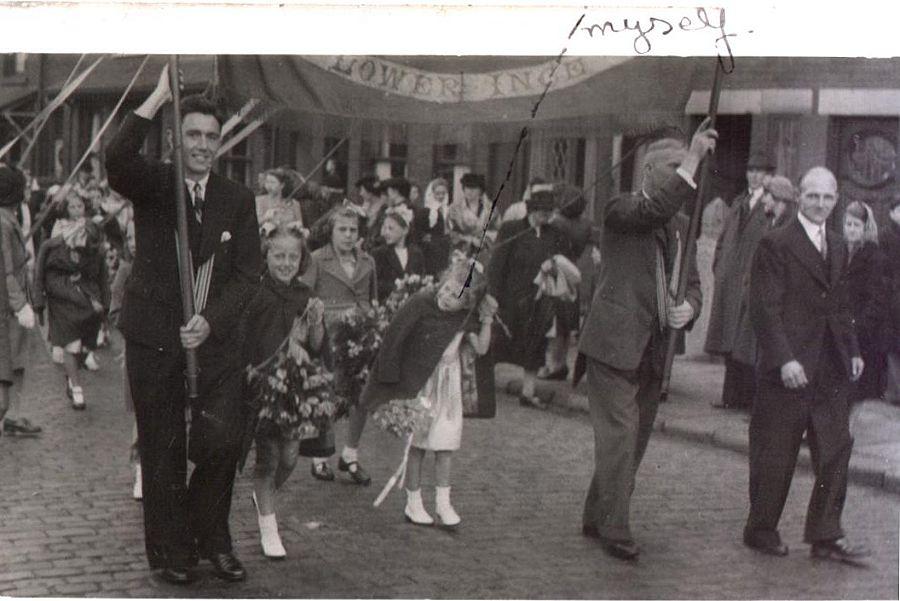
x=444, y=390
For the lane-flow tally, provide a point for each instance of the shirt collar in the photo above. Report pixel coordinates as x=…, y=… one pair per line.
x=812, y=229
x=203, y=181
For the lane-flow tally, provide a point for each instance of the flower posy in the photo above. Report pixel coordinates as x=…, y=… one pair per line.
x=403, y=417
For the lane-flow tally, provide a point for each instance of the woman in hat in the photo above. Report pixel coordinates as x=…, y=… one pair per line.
x=20, y=316
x=470, y=214
x=865, y=283
x=523, y=249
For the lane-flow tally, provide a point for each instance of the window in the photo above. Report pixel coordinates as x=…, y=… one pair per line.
x=13, y=64
x=444, y=160
x=236, y=163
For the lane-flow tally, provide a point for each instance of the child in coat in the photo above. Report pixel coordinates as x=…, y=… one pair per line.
x=73, y=283
x=282, y=306
x=424, y=354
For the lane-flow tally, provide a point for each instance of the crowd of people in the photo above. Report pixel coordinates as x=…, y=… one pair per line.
x=799, y=313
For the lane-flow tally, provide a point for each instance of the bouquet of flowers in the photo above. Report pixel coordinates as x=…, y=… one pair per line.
x=357, y=337
x=404, y=417
x=294, y=394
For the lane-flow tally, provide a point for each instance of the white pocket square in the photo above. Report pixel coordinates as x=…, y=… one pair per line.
x=226, y=236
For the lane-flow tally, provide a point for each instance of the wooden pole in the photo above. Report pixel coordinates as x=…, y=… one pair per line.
x=185, y=267
x=687, y=254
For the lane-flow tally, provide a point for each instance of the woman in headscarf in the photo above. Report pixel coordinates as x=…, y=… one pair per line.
x=864, y=277
x=434, y=220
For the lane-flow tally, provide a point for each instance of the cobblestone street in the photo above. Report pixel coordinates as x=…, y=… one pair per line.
x=68, y=525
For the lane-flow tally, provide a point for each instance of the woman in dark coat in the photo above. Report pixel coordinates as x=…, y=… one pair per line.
x=890, y=247
x=522, y=247
x=395, y=258
x=864, y=278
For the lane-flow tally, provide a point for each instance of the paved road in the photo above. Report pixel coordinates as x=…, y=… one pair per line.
x=69, y=527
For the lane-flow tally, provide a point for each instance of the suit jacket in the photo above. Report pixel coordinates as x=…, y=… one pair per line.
x=330, y=283
x=389, y=269
x=797, y=299
x=743, y=230
x=151, y=312
x=623, y=317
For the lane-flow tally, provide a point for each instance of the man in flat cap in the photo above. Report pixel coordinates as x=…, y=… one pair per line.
x=625, y=335
x=745, y=223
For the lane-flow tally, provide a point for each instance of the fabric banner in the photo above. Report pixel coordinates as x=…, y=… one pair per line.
x=451, y=89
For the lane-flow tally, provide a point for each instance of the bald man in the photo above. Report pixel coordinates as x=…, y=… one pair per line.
x=808, y=358
x=625, y=335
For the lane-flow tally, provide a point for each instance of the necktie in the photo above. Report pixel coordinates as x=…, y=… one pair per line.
x=198, y=202
x=823, y=244
x=661, y=293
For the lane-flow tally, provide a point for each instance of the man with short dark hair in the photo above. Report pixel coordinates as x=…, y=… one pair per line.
x=183, y=520
x=808, y=359
x=625, y=334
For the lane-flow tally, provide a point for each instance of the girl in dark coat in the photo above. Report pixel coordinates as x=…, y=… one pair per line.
x=283, y=305
x=422, y=355
x=73, y=283
x=867, y=299
x=395, y=259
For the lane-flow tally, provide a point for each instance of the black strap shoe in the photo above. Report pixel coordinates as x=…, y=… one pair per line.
x=321, y=471
x=227, y=567
x=357, y=473
x=841, y=551
x=179, y=576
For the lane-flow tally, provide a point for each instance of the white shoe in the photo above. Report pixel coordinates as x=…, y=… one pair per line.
x=446, y=514
x=77, y=397
x=57, y=354
x=415, y=510
x=91, y=363
x=137, y=493
x=269, y=537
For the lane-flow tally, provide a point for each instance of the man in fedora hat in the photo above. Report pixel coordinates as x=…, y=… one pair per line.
x=745, y=224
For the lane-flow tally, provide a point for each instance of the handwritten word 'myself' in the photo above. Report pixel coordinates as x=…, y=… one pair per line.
x=645, y=27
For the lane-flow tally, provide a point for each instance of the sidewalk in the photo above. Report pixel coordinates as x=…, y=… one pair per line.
x=688, y=414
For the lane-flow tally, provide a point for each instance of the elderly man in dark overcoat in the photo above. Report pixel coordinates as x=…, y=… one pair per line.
x=745, y=224
x=625, y=335
x=182, y=521
x=808, y=359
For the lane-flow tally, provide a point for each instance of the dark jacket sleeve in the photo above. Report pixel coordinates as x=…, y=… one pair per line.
x=502, y=249
x=641, y=213
x=767, y=291
x=390, y=353
x=223, y=310
x=129, y=172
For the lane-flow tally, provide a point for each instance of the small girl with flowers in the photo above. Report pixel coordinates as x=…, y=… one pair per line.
x=424, y=355
x=283, y=309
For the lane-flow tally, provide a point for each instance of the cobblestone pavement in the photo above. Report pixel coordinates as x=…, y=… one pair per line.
x=68, y=526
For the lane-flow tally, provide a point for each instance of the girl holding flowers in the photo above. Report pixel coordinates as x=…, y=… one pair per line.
x=428, y=353
x=284, y=308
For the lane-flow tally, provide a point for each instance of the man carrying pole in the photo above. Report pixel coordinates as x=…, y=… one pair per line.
x=182, y=521
x=625, y=333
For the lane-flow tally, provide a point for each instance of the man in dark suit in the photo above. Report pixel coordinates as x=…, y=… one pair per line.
x=745, y=224
x=625, y=334
x=182, y=521
x=808, y=357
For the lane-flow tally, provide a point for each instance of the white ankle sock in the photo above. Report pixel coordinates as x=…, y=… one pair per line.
x=349, y=455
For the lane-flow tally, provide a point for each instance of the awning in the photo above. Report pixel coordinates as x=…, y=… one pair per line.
x=463, y=89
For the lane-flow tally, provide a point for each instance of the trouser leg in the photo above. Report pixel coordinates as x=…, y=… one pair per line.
x=777, y=424
x=830, y=446
x=614, y=416
x=157, y=386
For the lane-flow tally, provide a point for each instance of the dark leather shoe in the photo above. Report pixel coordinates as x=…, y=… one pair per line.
x=622, y=549
x=769, y=547
x=227, y=567
x=20, y=427
x=840, y=550
x=321, y=471
x=357, y=473
x=180, y=576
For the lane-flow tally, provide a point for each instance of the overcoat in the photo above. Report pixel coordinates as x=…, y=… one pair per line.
x=890, y=247
x=742, y=231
